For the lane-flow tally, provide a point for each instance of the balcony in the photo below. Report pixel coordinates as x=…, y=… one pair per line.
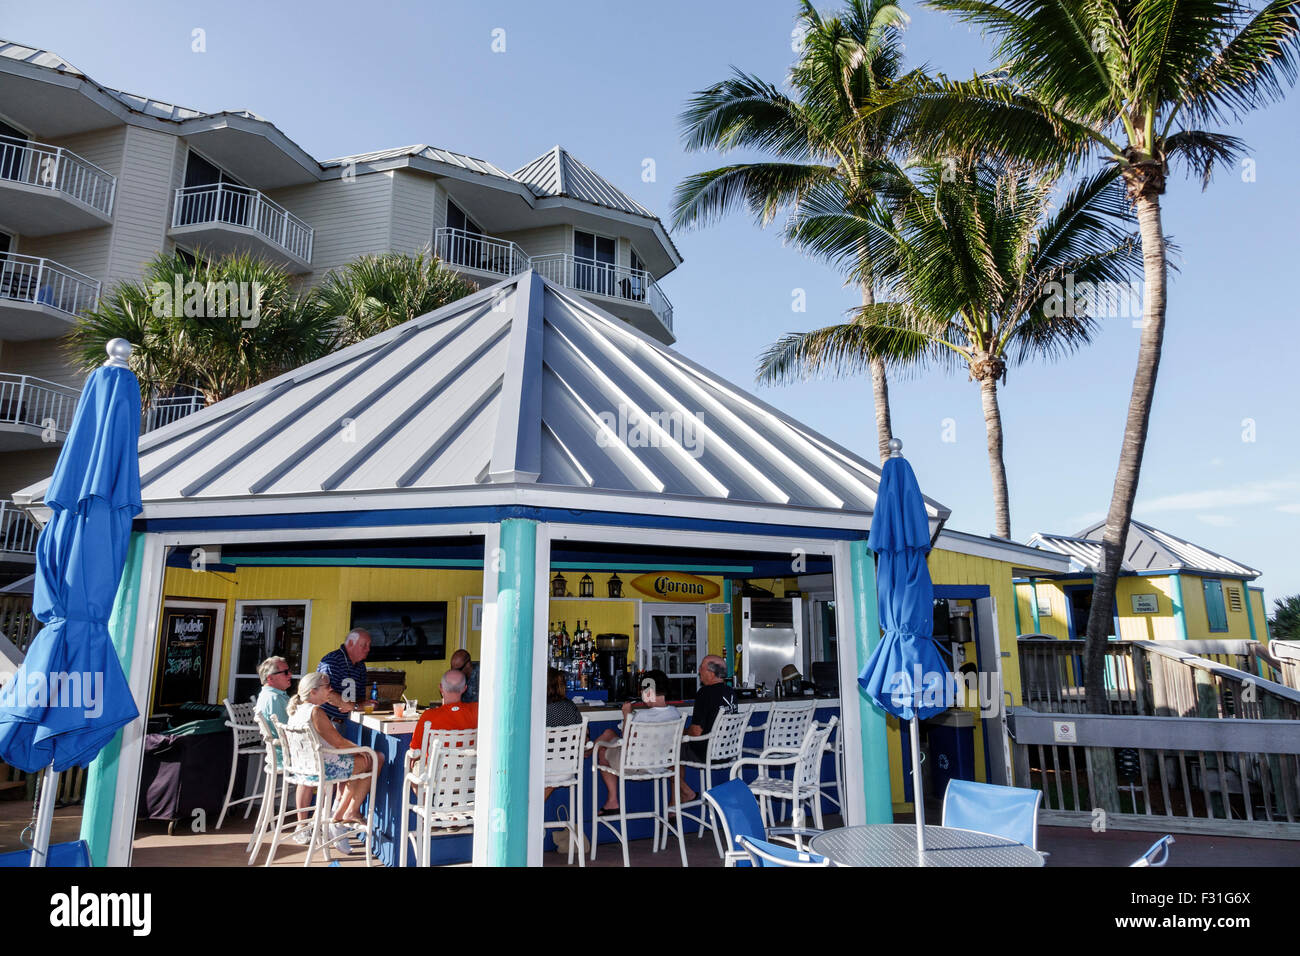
x=39, y=298
x=165, y=410
x=223, y=219
x=479, y=255
x=631, y=294
x=18, y=535
x=34, y=413
x=47, y=189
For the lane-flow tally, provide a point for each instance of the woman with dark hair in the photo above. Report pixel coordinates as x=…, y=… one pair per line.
x=560, y=711
x=654, y=707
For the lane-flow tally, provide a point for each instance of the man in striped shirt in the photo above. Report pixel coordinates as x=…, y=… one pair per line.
x=346, y=669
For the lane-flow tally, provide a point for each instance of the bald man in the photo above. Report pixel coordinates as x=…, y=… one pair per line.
x=714, y=696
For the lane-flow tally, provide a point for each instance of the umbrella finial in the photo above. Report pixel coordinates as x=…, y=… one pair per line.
x=895, y=448
x=119, y=350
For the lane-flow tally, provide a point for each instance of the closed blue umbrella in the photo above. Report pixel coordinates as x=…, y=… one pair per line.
x=906, y=674
x=70, y=697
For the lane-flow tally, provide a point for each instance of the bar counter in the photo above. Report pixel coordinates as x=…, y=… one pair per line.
x=392, y=738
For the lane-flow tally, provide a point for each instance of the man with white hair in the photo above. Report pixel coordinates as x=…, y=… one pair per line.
x=273, y=701
x=454, y=714
x=346, y=668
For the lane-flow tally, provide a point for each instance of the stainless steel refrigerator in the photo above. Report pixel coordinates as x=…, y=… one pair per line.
x=771, y=637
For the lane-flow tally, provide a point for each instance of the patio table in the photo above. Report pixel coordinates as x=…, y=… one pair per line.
x=894, y=844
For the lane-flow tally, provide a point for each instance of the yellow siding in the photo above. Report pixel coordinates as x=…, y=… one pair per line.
x=1260, y=608
x=1198, y=622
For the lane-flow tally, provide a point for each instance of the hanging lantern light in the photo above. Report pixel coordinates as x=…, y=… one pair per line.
x=586, y=587
x=615, y=586
x=558, y=585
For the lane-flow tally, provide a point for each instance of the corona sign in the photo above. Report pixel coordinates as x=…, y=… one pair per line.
x=676, y=586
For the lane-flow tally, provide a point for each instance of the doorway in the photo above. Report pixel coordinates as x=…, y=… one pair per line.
x=673, y=639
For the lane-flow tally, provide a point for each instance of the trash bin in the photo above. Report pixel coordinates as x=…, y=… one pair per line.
x=951, y=736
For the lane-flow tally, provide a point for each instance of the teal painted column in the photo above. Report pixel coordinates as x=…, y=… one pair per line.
x=1033, y=586
x=1250, y=611
x=1176, y=597
x=875, y=739
x=101, y=778
x=508, y=844
x=729, y=639
x=1015, y=603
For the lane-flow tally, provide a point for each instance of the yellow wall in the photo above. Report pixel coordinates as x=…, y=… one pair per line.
x=1144, y=627
x=1261, y=614
x=330, y=591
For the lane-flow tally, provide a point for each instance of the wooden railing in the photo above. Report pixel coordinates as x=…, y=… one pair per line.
x=17, y=622
x=1160, y=679
x=1285, y=656
x=1186, y=774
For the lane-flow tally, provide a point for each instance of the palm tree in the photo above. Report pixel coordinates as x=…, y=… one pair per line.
x=219, y=325
x=376, y=292
x=980, y=257
x=820, y=143
x=1133, y=82
x=1284, y=625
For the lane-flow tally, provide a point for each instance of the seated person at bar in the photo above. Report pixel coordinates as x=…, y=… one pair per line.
x=307, y=709
x=460, y=662
x=273, y=701
x=654, y=707
x=454, y=714
x=345, y=666
x=715, y=696
x=560, y=711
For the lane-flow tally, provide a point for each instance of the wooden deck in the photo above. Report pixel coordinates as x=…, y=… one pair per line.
x=1068, y=846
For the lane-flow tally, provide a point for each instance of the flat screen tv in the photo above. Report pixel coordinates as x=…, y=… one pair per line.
x=403, y=630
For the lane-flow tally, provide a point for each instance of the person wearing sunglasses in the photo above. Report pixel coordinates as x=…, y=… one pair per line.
x=273, y=701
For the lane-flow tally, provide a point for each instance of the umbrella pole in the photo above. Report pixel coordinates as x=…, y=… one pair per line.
x=918, y=797
x=45, y=817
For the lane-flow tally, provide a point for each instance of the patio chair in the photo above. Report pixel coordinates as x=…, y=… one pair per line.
x=248, y=743
x=724, y=742
x=835, y=746
x=650, y=753
x=762, y=853
x=565, y=748
x=304, y=763
x=739, y=815
x=804, y=784
x=784, y=729
x=1009, y=812
x=1157, y=855
x=272, y=768
x=438, y=788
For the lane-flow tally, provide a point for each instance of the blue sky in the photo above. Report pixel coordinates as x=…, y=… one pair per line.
x=608, y=82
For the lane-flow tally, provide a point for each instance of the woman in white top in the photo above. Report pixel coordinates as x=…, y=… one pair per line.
x=304, y=710
x=656, y=709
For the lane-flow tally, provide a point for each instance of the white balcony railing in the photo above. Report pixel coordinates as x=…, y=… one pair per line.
x=171, y=408
x=18, y=532
x=25, y=400
x=46, y=282
x=605, y=279
x=471, y=250
x=240, y=206
x=57, y=169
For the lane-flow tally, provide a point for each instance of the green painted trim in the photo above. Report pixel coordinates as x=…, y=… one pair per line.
x=728, y=638
x=101, y=779
x=1180, y=610
x=875, y=740
x=1033, y=585
x=1250, y=615
x=507, y=844
x=1015, y=603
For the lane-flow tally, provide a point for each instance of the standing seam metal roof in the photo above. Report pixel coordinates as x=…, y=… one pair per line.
x=1146, y=549
x=519, y=383
x=557, y=172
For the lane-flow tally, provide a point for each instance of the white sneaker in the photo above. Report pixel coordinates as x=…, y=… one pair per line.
x=302, y=835
x=340, y=833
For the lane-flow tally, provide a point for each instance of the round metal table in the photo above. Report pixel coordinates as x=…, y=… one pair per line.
x=894, y=844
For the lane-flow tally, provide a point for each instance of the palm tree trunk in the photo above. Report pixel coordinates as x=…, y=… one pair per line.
x=1130, y=459
x=879, y=389
x=997, y=467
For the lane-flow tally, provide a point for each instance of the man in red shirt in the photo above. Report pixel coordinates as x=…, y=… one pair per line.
x=452, y=715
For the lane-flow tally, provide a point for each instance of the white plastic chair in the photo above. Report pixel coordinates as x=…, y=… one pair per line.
x=565, y=747
x=835, y=745
x=804, y=784
x=725, y=740
x=304, y=762
x=650, y=753
x=784, y=729
x=272, y=768
x=248, y=743
x=438, y=788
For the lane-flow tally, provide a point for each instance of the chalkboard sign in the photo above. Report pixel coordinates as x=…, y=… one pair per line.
x=184, y=667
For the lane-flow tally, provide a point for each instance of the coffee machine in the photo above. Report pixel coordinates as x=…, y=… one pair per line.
x=611, y=664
